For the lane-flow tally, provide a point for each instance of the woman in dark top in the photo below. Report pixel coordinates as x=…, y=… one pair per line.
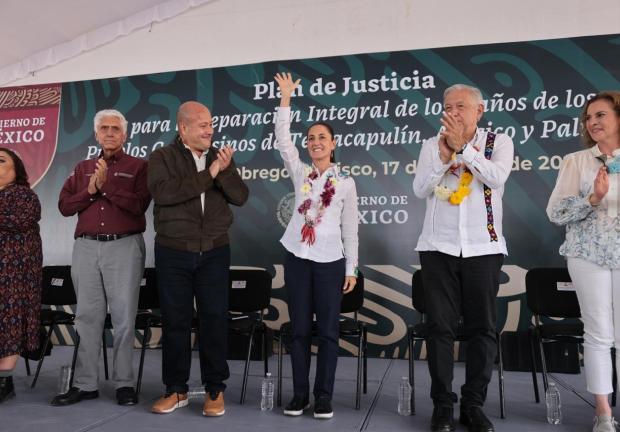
x=20, y=267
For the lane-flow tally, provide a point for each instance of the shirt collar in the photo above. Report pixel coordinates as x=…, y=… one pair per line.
x=333, y=167
x=204, y=153
x=115, y=157
x=598, y=154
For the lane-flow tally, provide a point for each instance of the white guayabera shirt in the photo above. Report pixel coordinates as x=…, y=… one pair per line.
x=472, y=228
x=336, y=234
x=592, y=232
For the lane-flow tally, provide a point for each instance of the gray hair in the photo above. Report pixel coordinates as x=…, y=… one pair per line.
x=472, y=90
x=110, y=113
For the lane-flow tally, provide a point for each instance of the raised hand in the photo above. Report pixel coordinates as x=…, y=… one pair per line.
x=454, y=132
x=601, y=186
x=287, y=86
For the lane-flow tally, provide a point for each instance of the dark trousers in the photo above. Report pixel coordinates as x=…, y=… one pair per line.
x=458, y=287
x=181, y=277
x=314, y=287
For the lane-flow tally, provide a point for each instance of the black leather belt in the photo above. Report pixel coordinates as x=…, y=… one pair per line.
x=106, y=237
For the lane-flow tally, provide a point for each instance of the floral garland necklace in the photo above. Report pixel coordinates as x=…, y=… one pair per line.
x=456, y=196
x=312, y=212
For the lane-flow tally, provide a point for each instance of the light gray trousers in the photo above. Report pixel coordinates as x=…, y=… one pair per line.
x=106, y=274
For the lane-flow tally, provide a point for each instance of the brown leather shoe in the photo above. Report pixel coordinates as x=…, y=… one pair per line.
x=214, y=404
x=169, y=402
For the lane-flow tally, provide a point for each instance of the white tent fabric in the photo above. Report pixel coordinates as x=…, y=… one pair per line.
x=93, y=38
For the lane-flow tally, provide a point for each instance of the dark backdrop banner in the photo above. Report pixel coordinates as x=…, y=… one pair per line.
x=382, y=107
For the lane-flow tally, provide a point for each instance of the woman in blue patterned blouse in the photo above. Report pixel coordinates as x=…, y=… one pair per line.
x=586, y=199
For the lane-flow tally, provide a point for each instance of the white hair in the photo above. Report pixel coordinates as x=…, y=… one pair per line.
x=110, y=113
x=472, y=90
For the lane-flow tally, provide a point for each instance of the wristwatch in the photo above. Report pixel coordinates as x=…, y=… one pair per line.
x=462, y=149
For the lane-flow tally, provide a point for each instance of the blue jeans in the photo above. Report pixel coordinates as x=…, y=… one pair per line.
x=181, y=277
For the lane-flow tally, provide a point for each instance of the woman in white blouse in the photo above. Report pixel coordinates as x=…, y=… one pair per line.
x=586, y=200
x=321, y=260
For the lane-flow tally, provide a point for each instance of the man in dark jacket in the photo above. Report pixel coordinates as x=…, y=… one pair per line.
x=192, y=186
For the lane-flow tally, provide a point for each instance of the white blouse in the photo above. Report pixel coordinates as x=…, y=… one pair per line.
x=592, y=232
x=336, y=234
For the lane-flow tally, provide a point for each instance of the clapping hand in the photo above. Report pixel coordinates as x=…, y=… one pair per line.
x=99, y=177
x=224, y=156
x=601, y=186
x=454, y=132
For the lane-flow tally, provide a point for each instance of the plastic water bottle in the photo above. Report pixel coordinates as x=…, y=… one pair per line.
x=554, y=405
x=267, y=388
x=404, y=397
x=64, y=378
x=196, y=392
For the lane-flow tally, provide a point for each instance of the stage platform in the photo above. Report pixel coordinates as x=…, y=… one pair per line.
x=30, y=410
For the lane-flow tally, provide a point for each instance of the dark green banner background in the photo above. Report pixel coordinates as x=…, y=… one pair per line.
x=534, y=91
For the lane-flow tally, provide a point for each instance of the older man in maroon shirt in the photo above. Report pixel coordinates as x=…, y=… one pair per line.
x=110, y=196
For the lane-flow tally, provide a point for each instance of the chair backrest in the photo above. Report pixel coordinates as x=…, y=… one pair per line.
x=354, y=300
x=543, y=296
x=57, y=286
x=149, y=296
x=249, y=290
x=417, y=292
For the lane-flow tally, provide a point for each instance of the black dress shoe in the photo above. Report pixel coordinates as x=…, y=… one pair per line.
x=73, y=396
x=475, y=420
x=442, y=419
x=126, y=396
x=7, y=390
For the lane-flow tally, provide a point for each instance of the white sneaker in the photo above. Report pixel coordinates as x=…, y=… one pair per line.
x=604, y=423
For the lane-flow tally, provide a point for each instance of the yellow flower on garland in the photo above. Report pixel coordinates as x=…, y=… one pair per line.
x=306, y=188
x=466, y=179
x=457, y=196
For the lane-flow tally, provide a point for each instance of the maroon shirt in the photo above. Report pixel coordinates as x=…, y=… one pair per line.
x=120, y=205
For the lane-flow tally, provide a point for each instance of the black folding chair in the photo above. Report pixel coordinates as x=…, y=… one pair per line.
x=546, y=298
x=146, y=318
x=349, y=328
x=249, y=297
x=420, y=332
x=57, y=291
x=148, y=300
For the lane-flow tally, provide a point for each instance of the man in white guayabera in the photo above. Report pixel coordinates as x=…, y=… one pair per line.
x=461, y=174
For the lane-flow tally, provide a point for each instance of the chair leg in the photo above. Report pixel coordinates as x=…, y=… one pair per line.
x=533, y=363
x=40, y=363
x=365, y=359
x=105, y=355
x=145, y=338
x=500, y=372
x=246, y=369
x=27, y=366
x=74, y=360
x=615, y=377
x=411, y=341
x=543, y=364
x=358, y=389
x=280, y=369
x=264, y=348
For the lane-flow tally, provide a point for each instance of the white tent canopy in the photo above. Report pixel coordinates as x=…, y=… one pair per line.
x=66, y=40
x=45, y=33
